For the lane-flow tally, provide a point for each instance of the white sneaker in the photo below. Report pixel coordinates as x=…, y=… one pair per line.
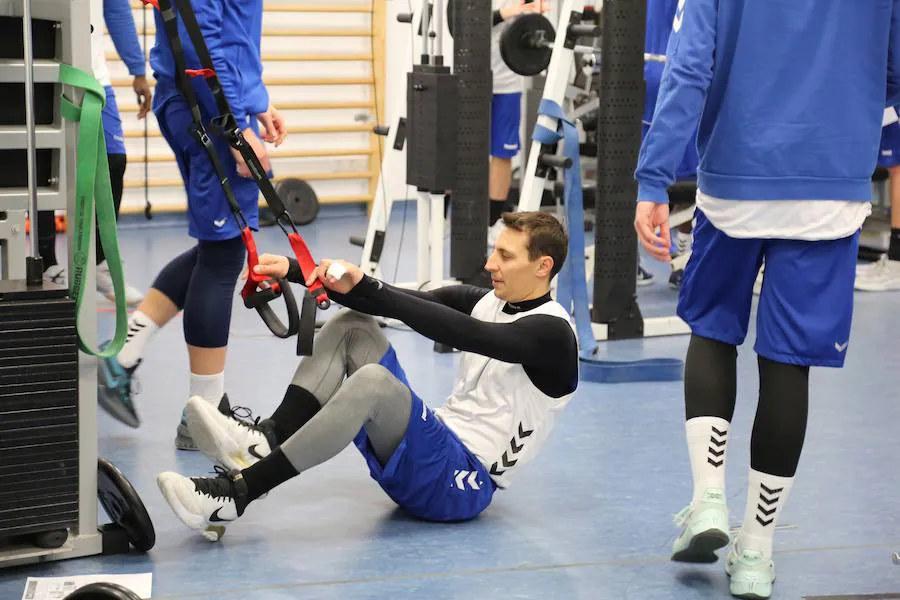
x=205, y=504
x=881, y=276
x=232, y=442
x=752, y=575
x=55, y=274
x=133, y=296
x=705, y=529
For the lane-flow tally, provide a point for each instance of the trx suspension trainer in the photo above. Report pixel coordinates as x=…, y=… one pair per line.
x=259, y=290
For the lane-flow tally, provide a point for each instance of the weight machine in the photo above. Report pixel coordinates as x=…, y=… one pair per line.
x=50, y=473
x=615, y=313
x=443, y=127
x=529, y=45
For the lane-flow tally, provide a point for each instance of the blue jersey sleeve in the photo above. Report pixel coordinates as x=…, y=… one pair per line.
x=120, y=23
x=893, y=82
x=682, y=93
x=210, y=17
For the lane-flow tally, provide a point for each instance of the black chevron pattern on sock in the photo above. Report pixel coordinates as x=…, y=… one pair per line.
x=516, y=444
x=768, y=504
x=716, y=448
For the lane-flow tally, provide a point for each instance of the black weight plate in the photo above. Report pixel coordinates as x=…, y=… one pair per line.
x=103, y=590
x=123, y=505
x=519, y=56
x=451, y=9
x=299, y=200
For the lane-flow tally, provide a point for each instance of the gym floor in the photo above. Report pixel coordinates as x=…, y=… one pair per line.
x=590, y=518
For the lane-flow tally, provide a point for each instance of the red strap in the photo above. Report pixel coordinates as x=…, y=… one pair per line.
x=198, y=72
x=152, y=3
x=253, y=279
x=307, y=266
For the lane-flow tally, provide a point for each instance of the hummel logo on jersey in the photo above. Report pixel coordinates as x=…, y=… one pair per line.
x=219, y=223
x=679, y=17
x=463, y=477
x=841, y=347
x=215, y=518
x=509, y=456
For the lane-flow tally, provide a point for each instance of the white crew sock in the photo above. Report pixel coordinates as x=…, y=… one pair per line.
x=140, y=330
x=706, y=439
x=209, y=387
x=766, y=497
x=684, y=241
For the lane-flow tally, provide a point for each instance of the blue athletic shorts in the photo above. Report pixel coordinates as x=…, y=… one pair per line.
x=806, y=302
x=506, y=113
x=112, y=124
x=431, y=475
x=889, y=153
x=209, y=216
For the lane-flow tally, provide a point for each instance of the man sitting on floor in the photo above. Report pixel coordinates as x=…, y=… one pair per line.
x=518, y=370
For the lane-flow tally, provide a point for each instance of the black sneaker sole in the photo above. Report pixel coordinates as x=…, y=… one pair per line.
x=702, y=548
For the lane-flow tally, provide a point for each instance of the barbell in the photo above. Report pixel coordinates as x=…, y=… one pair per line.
x=526, y=44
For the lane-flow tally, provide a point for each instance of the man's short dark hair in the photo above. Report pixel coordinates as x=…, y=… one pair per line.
x=546, y=236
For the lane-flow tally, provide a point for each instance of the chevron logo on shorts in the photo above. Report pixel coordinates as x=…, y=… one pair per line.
x=461, y=478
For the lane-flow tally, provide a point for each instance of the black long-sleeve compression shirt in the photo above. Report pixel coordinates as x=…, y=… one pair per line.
x=544, y=345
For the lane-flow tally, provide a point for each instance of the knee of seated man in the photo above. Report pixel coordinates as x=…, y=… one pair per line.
x=349, y=319
x=373, y=377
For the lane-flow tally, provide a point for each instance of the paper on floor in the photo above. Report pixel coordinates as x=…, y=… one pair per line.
x=57, y=588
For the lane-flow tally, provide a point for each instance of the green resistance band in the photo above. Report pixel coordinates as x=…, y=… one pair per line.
x=92, y=184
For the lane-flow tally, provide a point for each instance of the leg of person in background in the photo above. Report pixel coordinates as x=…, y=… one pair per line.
x=506, y=114
x=46, y=225
x=884, y=274
x=116, y=155
x=201, y=281
x=714, y=300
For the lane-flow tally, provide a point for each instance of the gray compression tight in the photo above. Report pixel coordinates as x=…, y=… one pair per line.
x=355, y=392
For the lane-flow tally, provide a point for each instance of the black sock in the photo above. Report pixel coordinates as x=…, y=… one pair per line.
x=267, y=474
x=498, y=207
x=780, y=425
x=710, y=379
x=894, y=248
x=297, y=408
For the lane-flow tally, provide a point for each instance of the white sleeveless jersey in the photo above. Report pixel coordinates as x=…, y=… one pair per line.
x=495, y=409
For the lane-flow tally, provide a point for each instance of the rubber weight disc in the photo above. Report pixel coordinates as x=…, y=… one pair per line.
x=124, y=506
x=103, y=590
x=521, y=56
x=299, y=200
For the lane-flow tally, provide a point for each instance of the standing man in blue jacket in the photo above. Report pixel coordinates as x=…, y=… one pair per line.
x=760, y=78
x=202, y=280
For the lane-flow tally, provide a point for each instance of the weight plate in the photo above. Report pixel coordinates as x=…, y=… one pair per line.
x=451, y=6
x=123, y=505
x=299, y=200
x=103, y=590
x=518, y=53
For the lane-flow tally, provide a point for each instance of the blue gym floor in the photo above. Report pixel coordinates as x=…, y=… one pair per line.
x=590, y=518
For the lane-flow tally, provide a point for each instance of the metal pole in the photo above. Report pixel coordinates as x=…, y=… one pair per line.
x=34, y=263
x=439, y=29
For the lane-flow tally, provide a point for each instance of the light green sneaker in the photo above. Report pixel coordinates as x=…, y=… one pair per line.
x=751, y=574
x=705, y=529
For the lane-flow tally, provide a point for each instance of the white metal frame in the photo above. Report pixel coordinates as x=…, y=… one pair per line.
x=74, y=41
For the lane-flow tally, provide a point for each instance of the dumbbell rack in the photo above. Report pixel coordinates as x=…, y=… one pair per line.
x=70, y=444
